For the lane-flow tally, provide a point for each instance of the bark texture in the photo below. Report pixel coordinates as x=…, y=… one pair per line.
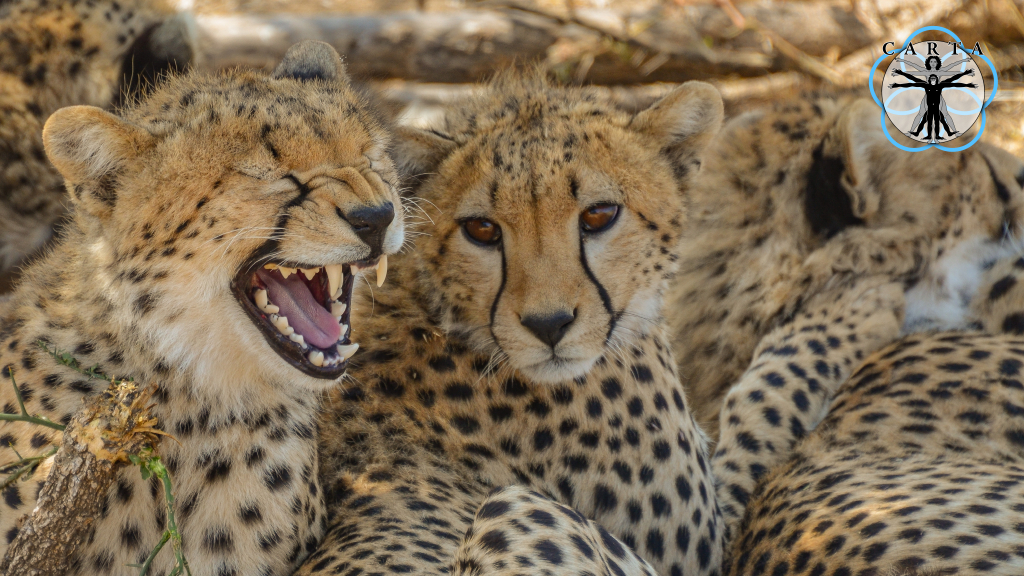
x=94, y=448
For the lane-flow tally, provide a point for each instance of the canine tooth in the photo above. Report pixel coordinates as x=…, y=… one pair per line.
x=270, y=266
x=317, y=358
x=310, y=272
x=271, y=309
x=347, y=350
x=286, y=272
x=382, y=270
x=334, y=273
x=297, y=338
x=338, y=308
x=262, y=300
x=279, y=322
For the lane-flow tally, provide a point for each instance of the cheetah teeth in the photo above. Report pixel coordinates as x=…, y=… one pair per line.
x=334, y=274
x=263, y=303
x=381, y=268
x=315, y=357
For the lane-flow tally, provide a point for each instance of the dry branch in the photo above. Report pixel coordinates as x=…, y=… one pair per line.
x=462, y=46
x=95, y=446
x=669, y=44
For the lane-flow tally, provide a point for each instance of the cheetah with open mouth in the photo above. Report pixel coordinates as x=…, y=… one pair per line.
x=261, y=197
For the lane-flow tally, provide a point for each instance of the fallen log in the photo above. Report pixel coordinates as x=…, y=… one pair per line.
x=96, y=444
x=829, y=40
x=463, y=46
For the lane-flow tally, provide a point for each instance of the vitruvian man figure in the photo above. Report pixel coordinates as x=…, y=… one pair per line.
x=933, y=106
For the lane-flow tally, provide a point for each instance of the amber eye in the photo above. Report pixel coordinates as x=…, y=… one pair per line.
x=482, y=231
x=599, y=217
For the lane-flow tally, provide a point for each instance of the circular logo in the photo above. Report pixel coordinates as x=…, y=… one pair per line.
x=933, y=91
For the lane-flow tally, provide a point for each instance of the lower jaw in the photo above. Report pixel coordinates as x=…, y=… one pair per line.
x=333, y=364
x=559, y=369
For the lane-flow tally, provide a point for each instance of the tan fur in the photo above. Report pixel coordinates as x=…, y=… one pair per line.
x=919, y=465
x=55, y=54
x=590, y=455
x=753, y=257
x=173, y=198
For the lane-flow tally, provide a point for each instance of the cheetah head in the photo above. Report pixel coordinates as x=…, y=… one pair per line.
x=557, y=217
x=228, y=215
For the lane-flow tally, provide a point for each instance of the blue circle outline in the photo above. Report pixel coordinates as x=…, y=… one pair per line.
x=981, y=129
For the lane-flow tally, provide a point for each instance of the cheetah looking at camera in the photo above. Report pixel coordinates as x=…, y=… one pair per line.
x=515, y=407
x=56, y=54
x=216, y=229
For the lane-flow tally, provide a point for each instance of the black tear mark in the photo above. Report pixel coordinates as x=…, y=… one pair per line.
x=497, y=297
x=273, y=243
x=605, y=298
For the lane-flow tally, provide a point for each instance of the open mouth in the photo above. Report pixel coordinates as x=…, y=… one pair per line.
x=304, y=311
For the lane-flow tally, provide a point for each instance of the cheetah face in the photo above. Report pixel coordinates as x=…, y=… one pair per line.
x=557, y=219
x=240, y=209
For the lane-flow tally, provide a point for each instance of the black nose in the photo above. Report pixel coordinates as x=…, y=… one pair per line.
x=370, y=223
x=549, y=328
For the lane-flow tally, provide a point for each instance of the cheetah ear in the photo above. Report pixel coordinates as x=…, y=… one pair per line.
x=419, y=152
x=683, y=123
x=91, y=148
x=864, y=148
x=312, y=60
x=164, y=48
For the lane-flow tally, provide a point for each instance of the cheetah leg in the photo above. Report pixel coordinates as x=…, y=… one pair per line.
x=795, y=372
x=517, y=531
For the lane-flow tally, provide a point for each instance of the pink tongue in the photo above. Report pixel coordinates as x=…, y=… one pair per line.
x=305, y=315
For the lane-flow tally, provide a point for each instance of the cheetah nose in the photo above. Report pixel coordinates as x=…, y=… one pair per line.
x=549, y=328
x=371, y=223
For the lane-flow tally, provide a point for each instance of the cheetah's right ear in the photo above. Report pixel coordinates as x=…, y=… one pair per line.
x=90, y=148
x=418, y=152
x=864, y=148
x=312, y=60
x=683, y=122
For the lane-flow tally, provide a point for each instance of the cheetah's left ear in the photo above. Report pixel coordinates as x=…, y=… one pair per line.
x=91, y=148
x=312, y=60
x=683, y=123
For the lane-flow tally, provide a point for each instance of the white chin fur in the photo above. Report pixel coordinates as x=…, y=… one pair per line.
x=556, y=371
x=942, y=299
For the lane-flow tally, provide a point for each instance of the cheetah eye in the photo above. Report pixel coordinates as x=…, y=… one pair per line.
x=599, y=217
x=482, y=231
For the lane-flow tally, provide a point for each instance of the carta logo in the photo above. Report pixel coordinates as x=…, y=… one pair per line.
x=933, y=91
